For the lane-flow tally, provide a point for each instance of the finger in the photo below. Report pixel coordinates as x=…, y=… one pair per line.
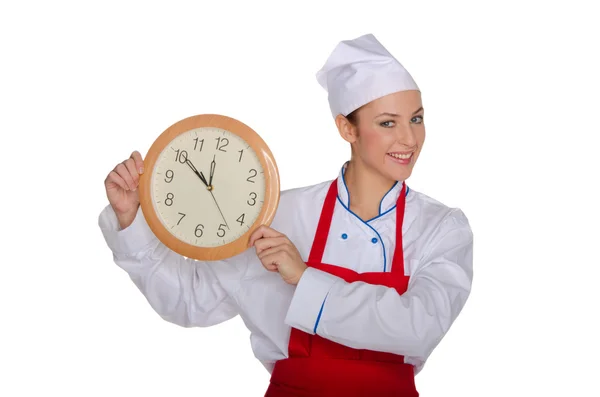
x=271, y=263
x=257, y=234
x=269, y=242
x=135, y=177
x=270, y=251
x=139, y=162
x=114, y=178
x=123, y=172
x=261, y=232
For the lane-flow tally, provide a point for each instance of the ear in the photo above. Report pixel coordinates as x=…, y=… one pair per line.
x=346, y=129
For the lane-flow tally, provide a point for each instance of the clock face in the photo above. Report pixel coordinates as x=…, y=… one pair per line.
x=207, y=187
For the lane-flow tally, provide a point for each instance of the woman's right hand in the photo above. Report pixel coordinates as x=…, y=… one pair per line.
x=121, y=188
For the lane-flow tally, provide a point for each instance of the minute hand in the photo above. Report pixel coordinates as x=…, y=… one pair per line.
x=213, y=196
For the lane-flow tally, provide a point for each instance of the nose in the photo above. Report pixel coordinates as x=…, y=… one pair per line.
x=406, y=136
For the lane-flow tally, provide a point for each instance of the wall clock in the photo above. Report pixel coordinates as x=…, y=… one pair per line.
x=209, y=182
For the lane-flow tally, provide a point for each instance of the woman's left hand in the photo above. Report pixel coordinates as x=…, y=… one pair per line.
x=278, y=254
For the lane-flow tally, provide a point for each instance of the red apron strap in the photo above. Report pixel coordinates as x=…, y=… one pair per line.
x=318, y=247
x=398, y=261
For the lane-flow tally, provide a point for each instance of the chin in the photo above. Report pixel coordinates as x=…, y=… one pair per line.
x=397, y=172
x=400, y=176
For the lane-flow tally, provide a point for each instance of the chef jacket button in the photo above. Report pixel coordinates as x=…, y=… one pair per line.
x=374, y=240
x=344, y=236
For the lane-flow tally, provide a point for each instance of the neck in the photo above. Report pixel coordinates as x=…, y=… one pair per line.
x=366, y=188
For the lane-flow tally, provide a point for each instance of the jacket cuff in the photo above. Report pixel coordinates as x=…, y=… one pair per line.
x=308, y=302
x=129, y=241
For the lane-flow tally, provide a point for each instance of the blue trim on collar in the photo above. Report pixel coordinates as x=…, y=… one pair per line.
x=391, y=209
x=380, y=215
x=345, y=185
x=343, y=178
x=384, y=196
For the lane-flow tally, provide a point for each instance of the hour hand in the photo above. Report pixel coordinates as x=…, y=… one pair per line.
x=200, y=174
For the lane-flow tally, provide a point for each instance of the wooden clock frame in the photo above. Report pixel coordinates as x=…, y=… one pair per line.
x=272, y=186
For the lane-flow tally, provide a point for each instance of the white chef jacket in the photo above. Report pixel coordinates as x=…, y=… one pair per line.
x=438, y=256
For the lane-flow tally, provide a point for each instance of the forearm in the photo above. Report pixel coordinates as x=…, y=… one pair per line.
x=182, y=291
x=366, y=316
x=375, y=317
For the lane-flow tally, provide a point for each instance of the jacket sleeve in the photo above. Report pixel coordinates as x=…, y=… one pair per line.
x=374, y=317
x=181, y=290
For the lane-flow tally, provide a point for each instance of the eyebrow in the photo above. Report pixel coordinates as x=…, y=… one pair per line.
x=397, y=115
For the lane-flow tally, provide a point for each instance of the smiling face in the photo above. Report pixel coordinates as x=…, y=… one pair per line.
x=386, y=134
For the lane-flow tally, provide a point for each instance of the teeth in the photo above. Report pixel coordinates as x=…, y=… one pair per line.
x=400, y=156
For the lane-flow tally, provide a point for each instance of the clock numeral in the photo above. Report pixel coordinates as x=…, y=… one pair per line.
x=253, y=199
x=241, y=152
x=181, y=157
x=252, y=176
x=201, y=143
x=169, y=200
x=219, y=140
x=169, y=176
x=221, y=230
x=200, y=228
x=241, y=219
x=182, y=216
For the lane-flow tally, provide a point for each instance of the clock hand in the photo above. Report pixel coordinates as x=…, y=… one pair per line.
x=213, y=196
x=200, y=175
x=212, y=169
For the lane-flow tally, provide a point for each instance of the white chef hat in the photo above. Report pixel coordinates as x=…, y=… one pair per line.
x=359, y=71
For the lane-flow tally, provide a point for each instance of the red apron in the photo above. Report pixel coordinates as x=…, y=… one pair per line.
x=319, y=367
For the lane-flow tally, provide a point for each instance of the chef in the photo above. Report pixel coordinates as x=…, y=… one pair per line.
x=356, y=280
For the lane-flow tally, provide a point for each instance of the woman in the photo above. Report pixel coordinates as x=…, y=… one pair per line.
x=357, y=279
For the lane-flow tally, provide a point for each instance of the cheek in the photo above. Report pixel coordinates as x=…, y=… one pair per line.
x=420, y=136
x=373, y=142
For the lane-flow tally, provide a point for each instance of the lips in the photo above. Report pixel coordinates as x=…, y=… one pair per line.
x=401, y=157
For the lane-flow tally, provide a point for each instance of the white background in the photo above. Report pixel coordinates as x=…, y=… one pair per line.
x=511, y=96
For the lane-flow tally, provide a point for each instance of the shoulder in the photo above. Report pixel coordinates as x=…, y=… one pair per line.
x=432, y=216
x=432, y=207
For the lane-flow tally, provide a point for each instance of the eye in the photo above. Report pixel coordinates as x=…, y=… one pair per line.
x=416, y=117
x=386, y=125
